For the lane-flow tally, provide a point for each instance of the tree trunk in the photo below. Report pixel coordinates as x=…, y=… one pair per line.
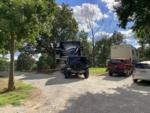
x=54, y=56
x=11, y=71
x=93, y=49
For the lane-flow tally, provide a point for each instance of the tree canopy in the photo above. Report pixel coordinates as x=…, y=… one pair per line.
x=136, y=11
x=64, y=27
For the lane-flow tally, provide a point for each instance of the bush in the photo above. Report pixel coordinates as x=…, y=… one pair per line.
x=43, y=64
x=4, y=64
x=25, y=62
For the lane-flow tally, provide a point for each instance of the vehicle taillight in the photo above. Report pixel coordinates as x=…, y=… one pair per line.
x=109, y=65
x=122, y=66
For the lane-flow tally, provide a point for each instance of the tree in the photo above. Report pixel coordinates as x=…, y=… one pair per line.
x=90, y=20
x=103, y=46
x=86, y=45
x=102, y=50
x=44, y=62
x=64, y=28
x=4, y=65
x=136, y=11
x=25, y=62
x=116, y=38
x=22, y=21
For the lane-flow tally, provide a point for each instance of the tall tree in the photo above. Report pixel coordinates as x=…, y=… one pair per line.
x=22, y=21
x=102, y=50
x=64, y=28
x=91, y=21
x=103, y=47
x=86, y=45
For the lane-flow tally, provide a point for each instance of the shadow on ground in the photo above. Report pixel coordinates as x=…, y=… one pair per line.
x=60, y=79
x=123, y=100
x=141, y=86
x=115, y=78
x=27, y=75
x=35, y=75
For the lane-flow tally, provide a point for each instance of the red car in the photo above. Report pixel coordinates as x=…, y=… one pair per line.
x=120, y=66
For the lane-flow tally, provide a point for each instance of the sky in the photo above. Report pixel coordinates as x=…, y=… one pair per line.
x=101, y=15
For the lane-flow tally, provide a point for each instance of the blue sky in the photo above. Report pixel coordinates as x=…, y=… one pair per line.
x=107, y=24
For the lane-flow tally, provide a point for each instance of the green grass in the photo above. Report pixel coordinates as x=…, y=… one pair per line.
x=17, y=96
x=97, y=70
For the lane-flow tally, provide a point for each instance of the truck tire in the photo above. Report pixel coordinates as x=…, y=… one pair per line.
x=67, y=74
x=135, y=80
x=128, y=73
x=86, y=74
x=110, y=73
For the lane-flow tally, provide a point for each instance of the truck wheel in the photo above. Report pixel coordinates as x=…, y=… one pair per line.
x=128, y=73
x=67, y=74
x=86, y=74
x=110, y=73
x=135, y=80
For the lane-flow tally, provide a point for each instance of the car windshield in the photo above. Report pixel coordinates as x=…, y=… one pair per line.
x=143, y=65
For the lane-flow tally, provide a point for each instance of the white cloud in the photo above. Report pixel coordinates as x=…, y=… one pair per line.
x=128, y=33
x=111, y=3
x=130, y=38
x=103, y=33
x=99, y=35
x=88, y=14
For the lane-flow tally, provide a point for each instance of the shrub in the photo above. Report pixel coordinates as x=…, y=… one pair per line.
x=4, y=64
x=25, y=62
x=42, y=64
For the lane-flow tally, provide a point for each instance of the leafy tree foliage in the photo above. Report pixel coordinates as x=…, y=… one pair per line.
x=64, y=28
x=103, y=47
x=86, y=45
x=25, y=62
x=102, y=51
x=44, y=63
x=136, y=11
x=116, y=38
x=21, y=21
x=4, y=65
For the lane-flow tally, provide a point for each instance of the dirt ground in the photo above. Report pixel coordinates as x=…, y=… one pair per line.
x=98, y=94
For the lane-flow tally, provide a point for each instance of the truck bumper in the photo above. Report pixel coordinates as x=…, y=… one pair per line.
x=117, y=71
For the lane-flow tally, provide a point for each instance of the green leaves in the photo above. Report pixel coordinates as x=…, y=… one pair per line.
x=137, y=11
x=26, y=18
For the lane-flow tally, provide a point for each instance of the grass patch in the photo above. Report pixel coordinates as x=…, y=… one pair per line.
x=14, y=97
x=97, y=70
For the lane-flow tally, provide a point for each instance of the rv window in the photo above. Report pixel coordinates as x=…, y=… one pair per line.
x=118, y=61
x=133, y=52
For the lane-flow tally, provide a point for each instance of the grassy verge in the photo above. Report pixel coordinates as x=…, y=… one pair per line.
x=97, y=70
x=15, y=97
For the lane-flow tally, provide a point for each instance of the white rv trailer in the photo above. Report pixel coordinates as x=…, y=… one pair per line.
x=124, y=51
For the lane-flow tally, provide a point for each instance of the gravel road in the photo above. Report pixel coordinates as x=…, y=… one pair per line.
x=98, y=94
